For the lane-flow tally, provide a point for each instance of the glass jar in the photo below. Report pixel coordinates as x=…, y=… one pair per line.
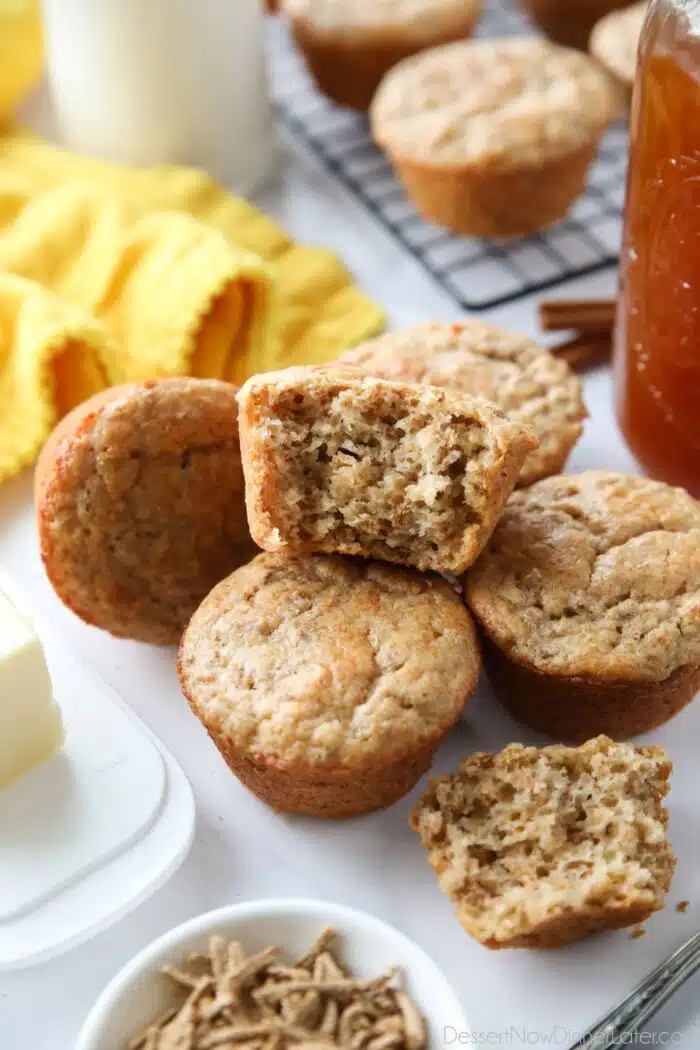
x=657, y=345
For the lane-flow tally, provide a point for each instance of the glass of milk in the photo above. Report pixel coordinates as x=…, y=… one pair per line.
x=163, y=81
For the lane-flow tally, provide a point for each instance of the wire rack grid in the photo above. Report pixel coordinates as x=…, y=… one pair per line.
x=478, y=274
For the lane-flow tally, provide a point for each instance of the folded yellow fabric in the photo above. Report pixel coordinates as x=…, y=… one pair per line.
x=52, y=357
x=318, y=310
x=21, y=51
x=173, y=295
x=145, y=273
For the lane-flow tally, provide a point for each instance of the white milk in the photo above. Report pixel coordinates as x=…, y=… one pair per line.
x=163, y=81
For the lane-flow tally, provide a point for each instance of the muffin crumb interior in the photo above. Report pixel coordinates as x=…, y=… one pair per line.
x=398, y=478
x=531, y=837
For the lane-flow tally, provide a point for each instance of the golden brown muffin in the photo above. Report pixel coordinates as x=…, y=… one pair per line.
x=140, y=505
x=339, y=462
x=494, y=138
x=350, y=44
x=589, y=597
x=538, y=847
x=523, y=379
x=615, y=41
x=569, y=22
x=327, y=683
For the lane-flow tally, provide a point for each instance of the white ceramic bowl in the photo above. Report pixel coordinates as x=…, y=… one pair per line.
x=138, y=994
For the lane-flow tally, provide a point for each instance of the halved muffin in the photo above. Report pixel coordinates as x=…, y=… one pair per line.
x=339, y=462
x=538, y=847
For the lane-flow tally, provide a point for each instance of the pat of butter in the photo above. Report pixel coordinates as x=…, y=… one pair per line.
x=31, y=728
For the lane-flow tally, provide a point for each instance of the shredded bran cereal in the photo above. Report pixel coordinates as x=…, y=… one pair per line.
x=259, y=1003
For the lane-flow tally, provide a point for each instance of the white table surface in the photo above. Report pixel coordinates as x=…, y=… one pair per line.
x=243, y=850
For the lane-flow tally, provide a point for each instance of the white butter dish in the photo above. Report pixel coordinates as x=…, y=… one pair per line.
x=91, y=833
x=31, y=727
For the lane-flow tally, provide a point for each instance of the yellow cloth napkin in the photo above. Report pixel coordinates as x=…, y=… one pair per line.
x=174, y=295
x=318, y=309
x=21, y=51
x=52, y=357
x=166, y=273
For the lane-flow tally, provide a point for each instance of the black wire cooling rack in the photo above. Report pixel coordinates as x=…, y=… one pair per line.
x=478, y=274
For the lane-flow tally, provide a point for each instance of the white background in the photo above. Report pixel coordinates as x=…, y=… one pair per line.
x=243, y=851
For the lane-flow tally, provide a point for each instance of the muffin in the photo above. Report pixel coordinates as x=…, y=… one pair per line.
x=494, y=137
x=589, y=599
x=570, y=22
x=513, y=372
x=140, y=505
x=538, y=847
x=327, y=683
x=337, y=462
x=615, y=42
x=350, y=44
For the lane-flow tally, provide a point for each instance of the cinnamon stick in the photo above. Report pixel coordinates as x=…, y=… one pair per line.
x=577, y=315
x=585, y=351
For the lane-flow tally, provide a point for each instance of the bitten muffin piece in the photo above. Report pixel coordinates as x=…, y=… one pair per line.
x=589, y=598
x=520, y=377
x=327, y=683
x=494, y=138
x=569, y=22
x=140, y=506
x=350, y=44
x=339, y=462
x=540, y=847
x=615, y=41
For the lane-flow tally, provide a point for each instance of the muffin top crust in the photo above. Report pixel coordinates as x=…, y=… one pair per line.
x=524, y=380
x=140, y=504
x=501, y=103
x=595, y=574
x=410, y=18
x=615, y=40
x=310, y=661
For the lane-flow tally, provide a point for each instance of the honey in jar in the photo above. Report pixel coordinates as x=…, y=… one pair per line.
x=657, y=353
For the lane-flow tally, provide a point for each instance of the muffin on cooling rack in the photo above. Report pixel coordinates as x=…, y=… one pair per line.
x=523, y=379
x=350, y=44
x=327, y=683
x=615, y=41
x=588, y=595
x=570, y=22
x=494, y=138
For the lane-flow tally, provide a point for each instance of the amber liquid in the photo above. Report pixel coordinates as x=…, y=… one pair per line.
x=657, y=359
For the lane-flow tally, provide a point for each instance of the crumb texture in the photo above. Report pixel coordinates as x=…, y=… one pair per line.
x=144, y=510
x=500, y=103
x=316, y=661
x=341, y=462
x=537, y=846
x=595, y=574
x=524, y=380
